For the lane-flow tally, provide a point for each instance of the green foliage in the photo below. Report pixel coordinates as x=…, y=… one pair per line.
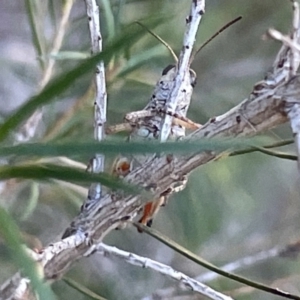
x=72, y=149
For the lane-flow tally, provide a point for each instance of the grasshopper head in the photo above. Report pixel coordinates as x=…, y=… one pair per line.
x=169, y=73
x=168, y=70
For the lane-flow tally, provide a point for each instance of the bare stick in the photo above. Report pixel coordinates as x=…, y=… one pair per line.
x=286, y=40
x=230, y=267
x=193, y=21
x=145, y=262
x=241, y=263
x=100, y=102
x=290, y=250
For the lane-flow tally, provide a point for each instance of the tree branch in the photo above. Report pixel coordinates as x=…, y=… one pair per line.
x=262, y=113
x=145, y=262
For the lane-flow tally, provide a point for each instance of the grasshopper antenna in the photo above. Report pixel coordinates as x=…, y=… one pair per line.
x=160, y=39
x=213, y=36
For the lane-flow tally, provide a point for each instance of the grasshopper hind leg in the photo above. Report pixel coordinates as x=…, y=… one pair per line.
x=150, y=210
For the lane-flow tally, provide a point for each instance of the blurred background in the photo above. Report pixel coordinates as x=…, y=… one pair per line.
x=231, y=208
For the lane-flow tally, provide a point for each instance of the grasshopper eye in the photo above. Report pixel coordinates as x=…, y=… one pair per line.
x=193, y=78
x=167, y=69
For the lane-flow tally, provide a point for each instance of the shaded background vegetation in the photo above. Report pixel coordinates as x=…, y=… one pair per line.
x=230, y=209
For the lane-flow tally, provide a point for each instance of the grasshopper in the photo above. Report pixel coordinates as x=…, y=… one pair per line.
x=146, y=124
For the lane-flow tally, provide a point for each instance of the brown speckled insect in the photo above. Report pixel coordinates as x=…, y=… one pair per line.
x=145, y=124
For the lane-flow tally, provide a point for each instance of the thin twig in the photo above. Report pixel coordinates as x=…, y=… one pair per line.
x=264, y=149
x=100, y=101
x=145, y=262
x=230, y=267
x=251, y=149
x=277, y=35
x=241, y=264
x=290, y=250
x=193, y=21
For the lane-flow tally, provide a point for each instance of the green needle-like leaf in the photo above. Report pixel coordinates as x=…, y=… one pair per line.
x=11, y=235
x=113, y=147
x=82, y=289
x=44, y=172
x=193, y=257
